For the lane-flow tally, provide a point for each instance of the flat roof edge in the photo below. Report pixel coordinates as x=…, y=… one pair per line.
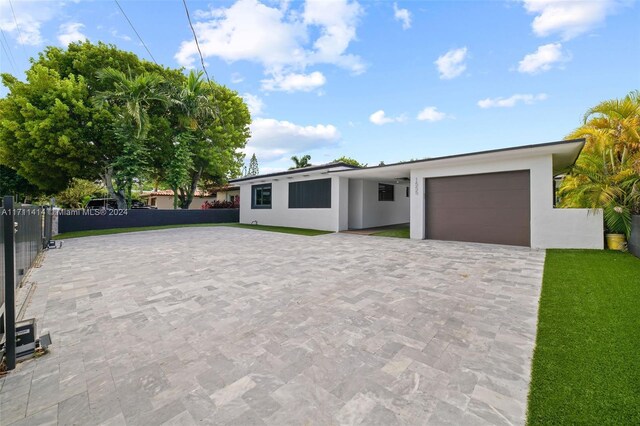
x=296, y=171
x=471, y=154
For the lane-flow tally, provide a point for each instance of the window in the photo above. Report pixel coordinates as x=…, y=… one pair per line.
x=407, y=190
x=385, y=192
x=261, y=196
x=310, y=194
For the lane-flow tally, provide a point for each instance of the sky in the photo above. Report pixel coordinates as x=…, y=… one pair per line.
x=372, y=80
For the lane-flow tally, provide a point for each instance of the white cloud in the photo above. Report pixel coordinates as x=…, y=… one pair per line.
x=116, y=34
x=284, y=41
x=294, y=82
x=431, y=114
x=451, y=64
x=254, y=103
x=379, y=118
x=29, y=17
x=511, y=101
x=402, y=15
x=568, y=18
x=237, y=78
x=274, y=139
x=542, y=59
x=70, y=32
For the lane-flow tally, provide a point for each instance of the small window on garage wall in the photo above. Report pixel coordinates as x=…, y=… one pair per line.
x=406, y=190
x=261, y=196
x=310, y=194
x=385, y=192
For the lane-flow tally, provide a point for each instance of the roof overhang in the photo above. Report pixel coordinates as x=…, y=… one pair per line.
x=290, y=174
x=564, y=154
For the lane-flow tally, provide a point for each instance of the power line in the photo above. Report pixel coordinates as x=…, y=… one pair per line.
x=7, y=51
x=20, y=38
x=134, y=30
x=195, y=37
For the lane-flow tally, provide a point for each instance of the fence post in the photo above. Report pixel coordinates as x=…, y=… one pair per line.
x=9, y=281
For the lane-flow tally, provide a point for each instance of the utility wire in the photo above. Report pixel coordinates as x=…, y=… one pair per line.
x=7, y=51
x=20, y=38
x=134, y=30
x=195, y=37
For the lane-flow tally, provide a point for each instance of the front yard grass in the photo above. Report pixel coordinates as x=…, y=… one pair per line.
x=395, y=233
x=586, y=364
x=283, y=229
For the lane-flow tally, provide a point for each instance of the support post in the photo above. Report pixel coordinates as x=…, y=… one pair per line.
x=10, y=281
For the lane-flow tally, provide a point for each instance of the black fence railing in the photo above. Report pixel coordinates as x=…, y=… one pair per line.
x=88, y=220
x=29, y=240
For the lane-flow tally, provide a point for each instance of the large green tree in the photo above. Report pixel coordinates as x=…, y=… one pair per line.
x=212, y=126
x=134, y=96
x=51, y=130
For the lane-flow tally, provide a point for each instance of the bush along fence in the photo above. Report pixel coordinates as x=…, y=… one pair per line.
x=89, y=220
x=24, y=232
x=634, y=239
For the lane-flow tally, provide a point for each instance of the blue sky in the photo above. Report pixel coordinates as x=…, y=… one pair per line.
x=373, y=80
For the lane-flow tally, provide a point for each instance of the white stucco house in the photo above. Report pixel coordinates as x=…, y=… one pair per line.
x=502, y=196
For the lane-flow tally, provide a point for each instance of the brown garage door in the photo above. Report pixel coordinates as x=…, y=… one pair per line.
x=486, y=208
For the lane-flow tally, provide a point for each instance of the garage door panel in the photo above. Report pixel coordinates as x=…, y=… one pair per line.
x=489, y=208
x=481, y=200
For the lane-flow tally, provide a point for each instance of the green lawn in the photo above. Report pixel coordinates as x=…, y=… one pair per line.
x=395, y=233
x=586, y=365
x=297, y=231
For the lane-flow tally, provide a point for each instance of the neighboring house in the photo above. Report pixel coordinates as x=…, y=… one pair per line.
x=163, y=199
x=503, y=196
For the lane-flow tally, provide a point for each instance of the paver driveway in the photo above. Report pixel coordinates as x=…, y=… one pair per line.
x=234, y=326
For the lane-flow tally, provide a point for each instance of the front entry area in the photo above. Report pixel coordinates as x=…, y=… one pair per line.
x=485, y=208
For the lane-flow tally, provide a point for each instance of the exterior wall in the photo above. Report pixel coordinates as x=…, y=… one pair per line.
x=329, y=219
x=550, y=228
x=226, y=195
x=165, y=202
x=365, y=211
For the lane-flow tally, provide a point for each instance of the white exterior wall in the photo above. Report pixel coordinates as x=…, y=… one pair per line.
x=165, y=202
x=365, y=211
x=550, y=228
x=331, y=219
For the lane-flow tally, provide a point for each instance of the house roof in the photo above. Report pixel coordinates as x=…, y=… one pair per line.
x=333, y=165
x=565, y=153
x=198, y=193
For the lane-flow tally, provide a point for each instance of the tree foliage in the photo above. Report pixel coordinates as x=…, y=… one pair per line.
x=254, y=169
x=78, y=194
x=11, y=183
x=607, y=173
x=301, y=162
x=92, y=111
x=350, y=161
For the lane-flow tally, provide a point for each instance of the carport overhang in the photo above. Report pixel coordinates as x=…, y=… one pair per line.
x=564, y=154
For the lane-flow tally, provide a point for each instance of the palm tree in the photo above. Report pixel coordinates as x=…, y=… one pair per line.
x=134, y=95
x=197, y=109
x=300, y=162
x=614, y=124
x=600, y=180
x=607, y=173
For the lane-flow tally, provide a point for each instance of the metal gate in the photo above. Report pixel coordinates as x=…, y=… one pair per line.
x=24, y=232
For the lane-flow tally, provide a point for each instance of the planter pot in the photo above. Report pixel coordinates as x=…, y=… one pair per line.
x=616, y=242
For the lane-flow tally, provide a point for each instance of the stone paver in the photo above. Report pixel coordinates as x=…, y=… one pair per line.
x=235, y=326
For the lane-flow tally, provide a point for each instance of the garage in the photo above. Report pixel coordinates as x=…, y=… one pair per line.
x=485, y=208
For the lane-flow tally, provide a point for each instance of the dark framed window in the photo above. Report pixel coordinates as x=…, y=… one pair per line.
x=261, y=196
x=385, y=192
x=407, y=190
x=310, y=194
